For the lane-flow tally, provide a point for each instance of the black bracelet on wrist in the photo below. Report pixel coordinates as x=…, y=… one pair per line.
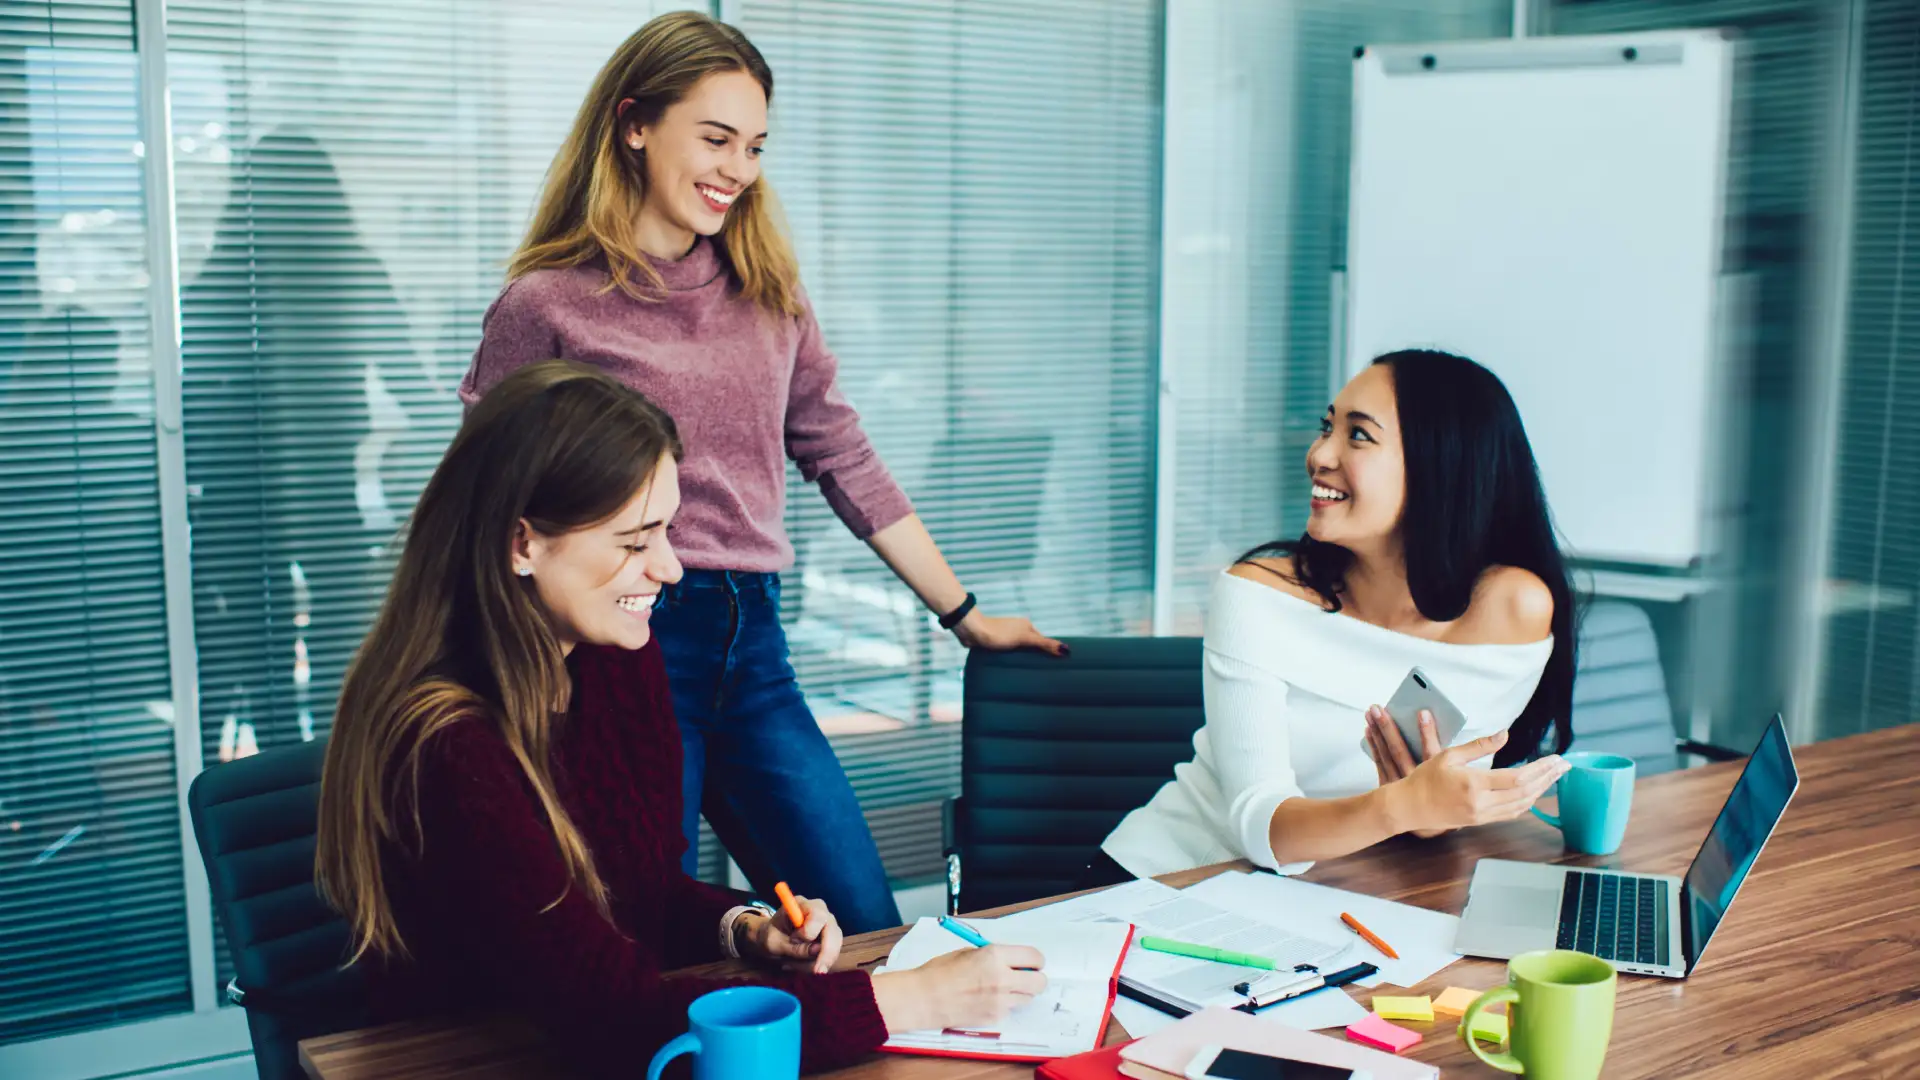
x=953, y=618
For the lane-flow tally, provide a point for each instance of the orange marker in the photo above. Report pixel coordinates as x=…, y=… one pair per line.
x=795, y=913
x=1372, y=938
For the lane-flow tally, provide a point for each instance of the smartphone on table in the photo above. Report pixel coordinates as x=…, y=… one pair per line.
x=1418, y=693
x=1220, y=1063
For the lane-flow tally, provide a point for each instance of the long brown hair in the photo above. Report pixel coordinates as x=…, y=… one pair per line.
x=561, y=446
x=597, y=183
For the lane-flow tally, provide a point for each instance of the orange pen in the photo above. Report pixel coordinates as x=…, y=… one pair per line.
x=795, y=913
x=1372, y=938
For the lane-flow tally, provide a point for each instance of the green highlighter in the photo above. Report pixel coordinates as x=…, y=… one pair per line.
x=1203, y=952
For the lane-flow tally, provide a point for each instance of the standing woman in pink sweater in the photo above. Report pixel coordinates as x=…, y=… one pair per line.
x=655, y=253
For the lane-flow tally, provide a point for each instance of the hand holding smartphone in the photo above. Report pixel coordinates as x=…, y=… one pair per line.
x=1418, y=693
x=1219, y=1063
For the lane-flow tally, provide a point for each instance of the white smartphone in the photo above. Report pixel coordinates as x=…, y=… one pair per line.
x=1417, y=692
x=1218, y=1063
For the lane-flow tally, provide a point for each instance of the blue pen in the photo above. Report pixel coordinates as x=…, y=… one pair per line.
x=964, y=932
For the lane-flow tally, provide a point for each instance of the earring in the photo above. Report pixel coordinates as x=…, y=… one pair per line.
x=523, y=571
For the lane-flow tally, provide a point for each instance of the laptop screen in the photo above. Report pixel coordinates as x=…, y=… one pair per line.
x=1758, y=799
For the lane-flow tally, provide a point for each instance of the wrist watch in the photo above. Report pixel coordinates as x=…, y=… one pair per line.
x=729, y=945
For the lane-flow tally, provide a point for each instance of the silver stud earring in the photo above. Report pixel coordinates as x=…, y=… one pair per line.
x=524, y=571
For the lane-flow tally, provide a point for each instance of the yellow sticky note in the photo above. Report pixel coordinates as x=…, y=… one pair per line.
x=1454, y=1001
x=1492, y=1027
x=1404, y=1008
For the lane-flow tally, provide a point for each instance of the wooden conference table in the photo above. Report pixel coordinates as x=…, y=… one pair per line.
x=1816, y=971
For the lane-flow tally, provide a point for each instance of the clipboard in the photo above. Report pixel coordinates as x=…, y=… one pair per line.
x=1256, y=998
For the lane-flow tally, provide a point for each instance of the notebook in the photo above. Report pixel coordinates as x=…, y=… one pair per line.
x=1169, y=1050
x=1069, y=1017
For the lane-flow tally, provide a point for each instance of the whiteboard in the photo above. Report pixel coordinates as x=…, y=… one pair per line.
x=1553, y=209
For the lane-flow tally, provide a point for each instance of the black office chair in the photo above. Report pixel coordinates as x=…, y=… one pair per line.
x=1054, y=752
x=255, y=820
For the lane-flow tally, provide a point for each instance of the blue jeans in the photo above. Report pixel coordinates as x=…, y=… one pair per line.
x=756, y=762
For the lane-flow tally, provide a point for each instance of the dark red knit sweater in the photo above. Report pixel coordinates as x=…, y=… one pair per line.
x=474, y=905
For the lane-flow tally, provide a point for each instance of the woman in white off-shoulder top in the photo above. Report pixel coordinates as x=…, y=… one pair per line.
x=1429, y=545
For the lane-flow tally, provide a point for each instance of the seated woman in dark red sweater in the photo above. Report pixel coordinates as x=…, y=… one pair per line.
x=500, y=810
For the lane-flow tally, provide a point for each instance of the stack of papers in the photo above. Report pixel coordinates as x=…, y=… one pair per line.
x=1187, y=984
x=1069, y=1017
x=1192, y=984
x=1282, y=905
x=1423, y=938
x=1265, y=914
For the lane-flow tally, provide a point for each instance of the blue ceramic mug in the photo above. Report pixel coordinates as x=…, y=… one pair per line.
x=740, y=1033
x=1596, y=794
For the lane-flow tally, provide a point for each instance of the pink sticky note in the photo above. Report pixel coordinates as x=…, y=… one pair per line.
x=1381, y=1035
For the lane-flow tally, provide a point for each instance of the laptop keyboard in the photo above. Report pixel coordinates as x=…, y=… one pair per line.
x=1614, y=917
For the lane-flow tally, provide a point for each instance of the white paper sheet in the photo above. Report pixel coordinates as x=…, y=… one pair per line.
x=1423, y=938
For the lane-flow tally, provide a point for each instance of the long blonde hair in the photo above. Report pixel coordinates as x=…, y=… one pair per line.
x=460, y=638
x=597, y=183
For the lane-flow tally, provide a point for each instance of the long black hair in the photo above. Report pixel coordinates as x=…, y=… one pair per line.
x=1473, y=501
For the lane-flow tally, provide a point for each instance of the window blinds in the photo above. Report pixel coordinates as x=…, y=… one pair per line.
x=1872, y=669
x=92, y=908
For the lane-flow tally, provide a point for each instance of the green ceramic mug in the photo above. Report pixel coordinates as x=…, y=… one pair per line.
x=1559, y=1016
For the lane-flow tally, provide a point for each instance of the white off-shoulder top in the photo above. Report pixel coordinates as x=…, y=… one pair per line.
x=1287, y=688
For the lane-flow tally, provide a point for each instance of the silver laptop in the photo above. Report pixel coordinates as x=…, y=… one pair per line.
x=1647, y=924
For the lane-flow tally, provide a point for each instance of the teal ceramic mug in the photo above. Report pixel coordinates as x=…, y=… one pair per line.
x=1596, y=794
x=737, y=1033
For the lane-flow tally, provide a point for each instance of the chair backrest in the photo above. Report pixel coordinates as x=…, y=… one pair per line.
x=255, y=820
x=1055, y=751
x=1620, y=703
